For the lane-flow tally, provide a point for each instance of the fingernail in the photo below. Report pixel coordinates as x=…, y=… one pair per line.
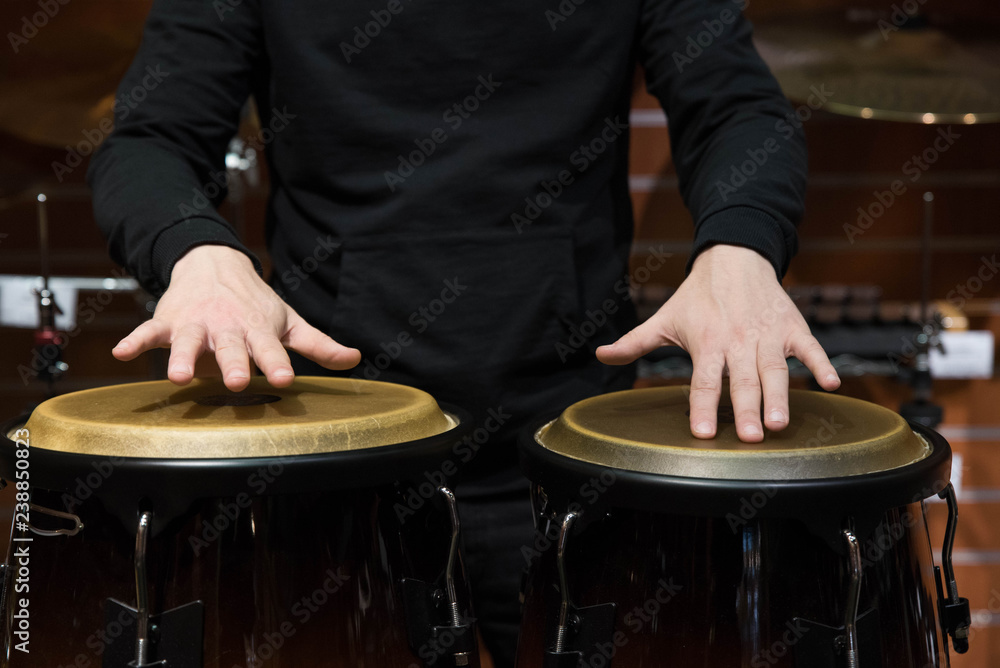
x=283, y=373
x=776, y=416
x=752, y=430
x=703, y=428
x=182, y=368
x=120, y=344
x=833, y=378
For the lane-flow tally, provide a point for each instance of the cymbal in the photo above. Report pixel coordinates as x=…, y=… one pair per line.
x=204, y=420
x=873, y=67
x=648, y=430
x=61, y=81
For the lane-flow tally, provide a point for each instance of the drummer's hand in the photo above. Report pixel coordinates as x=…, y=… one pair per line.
x=731, y=312
x=216, y=302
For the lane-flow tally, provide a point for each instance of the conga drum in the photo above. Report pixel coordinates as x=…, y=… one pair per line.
x=808, y=550
x=309, y=526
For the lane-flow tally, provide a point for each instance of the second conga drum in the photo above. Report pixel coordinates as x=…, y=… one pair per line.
x=808, y=550
x=198, y=528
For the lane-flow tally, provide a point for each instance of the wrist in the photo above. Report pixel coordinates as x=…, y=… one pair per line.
x=729, y=257
x=211, y=257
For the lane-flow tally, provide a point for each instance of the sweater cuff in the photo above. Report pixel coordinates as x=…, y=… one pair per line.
x=176, y=240
x=748, y=227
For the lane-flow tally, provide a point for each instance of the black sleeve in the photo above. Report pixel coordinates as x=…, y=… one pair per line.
x=176, y=111
x=740, y=153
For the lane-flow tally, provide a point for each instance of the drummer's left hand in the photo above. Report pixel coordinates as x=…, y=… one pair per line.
x=731, y=313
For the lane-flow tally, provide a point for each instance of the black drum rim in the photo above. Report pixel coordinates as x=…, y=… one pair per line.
x=852, y=495
x=140, y=477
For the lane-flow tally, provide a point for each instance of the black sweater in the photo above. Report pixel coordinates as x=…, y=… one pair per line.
x=449, y=179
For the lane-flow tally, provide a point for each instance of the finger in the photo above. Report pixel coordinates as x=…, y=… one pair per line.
x=271, y=358
x=231, y=353
x=773, y=370
x=744, y=389
x=150, y=334
x=185, y=349
x=808, y=350
x=645, y=338
x=706, y=387
x=309, y=342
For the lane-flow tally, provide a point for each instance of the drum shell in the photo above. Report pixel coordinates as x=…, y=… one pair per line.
x=285, y=580
x=711, y=591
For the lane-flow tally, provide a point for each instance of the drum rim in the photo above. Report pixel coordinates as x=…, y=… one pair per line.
x=711, y=497
x=144, y=477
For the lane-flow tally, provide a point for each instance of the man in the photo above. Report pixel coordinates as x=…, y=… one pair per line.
x=410, y=140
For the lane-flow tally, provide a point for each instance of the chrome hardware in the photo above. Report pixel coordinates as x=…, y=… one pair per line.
x=142, y=596
x=77, y=524
x=567, y=525
x=434, y=620
x=956, y=618
x=461, y=658
x=853, y=599
x=579, y=630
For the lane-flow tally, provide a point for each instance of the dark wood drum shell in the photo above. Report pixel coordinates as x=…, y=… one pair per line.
x=286, y=580
x=714, y=593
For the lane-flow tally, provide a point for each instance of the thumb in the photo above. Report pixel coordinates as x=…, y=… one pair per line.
x=645, y=338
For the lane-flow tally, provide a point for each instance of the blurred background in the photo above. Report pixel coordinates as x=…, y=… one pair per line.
x=900, y=284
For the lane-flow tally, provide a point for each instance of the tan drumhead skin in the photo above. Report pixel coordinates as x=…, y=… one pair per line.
x=199, y=421
x=648, y=431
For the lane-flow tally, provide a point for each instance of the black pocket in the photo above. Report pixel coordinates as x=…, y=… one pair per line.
x=480, y=305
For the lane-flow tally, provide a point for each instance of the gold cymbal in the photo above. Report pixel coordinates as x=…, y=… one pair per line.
x=205, y=420
x=874, y=68
x=648, y=431
x=60, y=82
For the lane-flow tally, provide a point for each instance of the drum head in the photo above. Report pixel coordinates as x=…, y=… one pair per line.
x=648, y=430
x=155, y=440
x=838, y=457
x=204, y=420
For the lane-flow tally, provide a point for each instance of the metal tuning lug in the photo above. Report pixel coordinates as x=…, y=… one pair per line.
x=853, y=599
x=579, y=631
x=435, y=623
x=170, y=640
x=956, y=618
x=823, y=646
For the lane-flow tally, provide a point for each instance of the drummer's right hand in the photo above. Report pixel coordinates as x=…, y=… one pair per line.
x=216, y=302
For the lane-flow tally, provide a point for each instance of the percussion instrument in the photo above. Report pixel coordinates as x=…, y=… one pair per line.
x=196, y=527
x=809, y=549
x=895, y=67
